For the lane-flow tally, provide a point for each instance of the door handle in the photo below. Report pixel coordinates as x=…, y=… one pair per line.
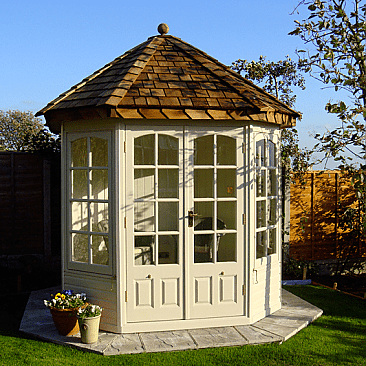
x=191, y=216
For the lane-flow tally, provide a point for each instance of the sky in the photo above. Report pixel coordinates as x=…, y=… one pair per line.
x=47, y=47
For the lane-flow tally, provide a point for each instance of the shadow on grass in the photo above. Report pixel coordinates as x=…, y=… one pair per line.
x=339, y=335
x=332, y=302
x=11, y=309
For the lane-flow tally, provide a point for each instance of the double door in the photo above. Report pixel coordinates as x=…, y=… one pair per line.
x=184, y=223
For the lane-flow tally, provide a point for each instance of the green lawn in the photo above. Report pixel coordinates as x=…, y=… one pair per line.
x=337, y=338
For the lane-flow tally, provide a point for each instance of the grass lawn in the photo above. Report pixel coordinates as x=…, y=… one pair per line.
x=337, y=338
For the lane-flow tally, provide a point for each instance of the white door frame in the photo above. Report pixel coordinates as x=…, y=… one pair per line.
x=186, y=264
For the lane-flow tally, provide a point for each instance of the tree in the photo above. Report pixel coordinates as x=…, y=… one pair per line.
x=16, y=128
x=278, y=78
x=336, y=32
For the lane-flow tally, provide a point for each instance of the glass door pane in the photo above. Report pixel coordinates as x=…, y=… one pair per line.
x=156, y=199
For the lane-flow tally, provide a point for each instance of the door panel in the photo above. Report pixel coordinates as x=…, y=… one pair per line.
x=154, y=224
x=215, y=241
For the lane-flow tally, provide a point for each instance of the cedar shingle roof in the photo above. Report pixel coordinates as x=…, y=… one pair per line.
x=166, y=78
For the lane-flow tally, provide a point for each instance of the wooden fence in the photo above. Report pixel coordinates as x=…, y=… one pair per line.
x=314, y=223
x=29, y=206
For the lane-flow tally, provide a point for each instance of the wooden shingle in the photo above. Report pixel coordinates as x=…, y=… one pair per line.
x=170, y=79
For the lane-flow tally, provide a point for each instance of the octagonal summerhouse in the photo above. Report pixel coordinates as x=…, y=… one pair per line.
x=170, y=195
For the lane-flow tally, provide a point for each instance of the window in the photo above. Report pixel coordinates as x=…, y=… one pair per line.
x=89, y=191
x=266, y=180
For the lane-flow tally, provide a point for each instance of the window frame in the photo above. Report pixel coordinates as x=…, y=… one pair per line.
x=268, y=136
x=106, y=269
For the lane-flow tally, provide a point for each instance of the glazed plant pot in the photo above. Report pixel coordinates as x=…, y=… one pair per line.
x=89, y=329
x=65, y=321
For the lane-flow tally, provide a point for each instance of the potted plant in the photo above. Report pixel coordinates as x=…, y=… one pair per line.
x=89, y=319
x=63, y=307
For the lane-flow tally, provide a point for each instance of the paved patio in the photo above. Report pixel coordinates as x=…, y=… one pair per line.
x=295, y=315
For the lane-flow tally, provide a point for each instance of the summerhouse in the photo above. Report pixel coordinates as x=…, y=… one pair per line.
x=171, y=190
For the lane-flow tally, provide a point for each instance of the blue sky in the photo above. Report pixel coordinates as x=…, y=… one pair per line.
x=47, y=46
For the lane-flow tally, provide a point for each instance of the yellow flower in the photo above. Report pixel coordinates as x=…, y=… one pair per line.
x=62, y=296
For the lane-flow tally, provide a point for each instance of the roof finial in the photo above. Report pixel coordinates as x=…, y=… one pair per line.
x=163, y=28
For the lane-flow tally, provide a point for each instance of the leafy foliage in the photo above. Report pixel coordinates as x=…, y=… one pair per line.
x=278, y=77
x=335, y=31
x=22, y=131
x=16, y=127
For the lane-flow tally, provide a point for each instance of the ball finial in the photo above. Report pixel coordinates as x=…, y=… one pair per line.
x=163, y=28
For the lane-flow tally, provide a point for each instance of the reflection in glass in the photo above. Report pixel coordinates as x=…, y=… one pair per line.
x=80, y=246
x=261, y=214
x=168, y=249
x=271, y=154
x=79, y=216
x=272, y=241
x=168, y=216
x=260, y=153
x=272, y=215
x=203, y=183
x=226, y=182
x=204, y=150
x=226, y=248
x=203, y=248
x=79, y=153
x=226, y=211
x=272, y=182
x=99, y=152
x=226, y=150
x=144, y=150
x=205, y=213
x=99, y=184
x=261, y=244
x=167, y=150
x=144, y=183
x=100, y=249
x=99, y=216
x=144, y=216
x=79, y=184
x=168, y=183
x=260, y=183
x=144, y=250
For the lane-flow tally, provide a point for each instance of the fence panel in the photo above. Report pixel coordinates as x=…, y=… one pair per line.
x=314, y=229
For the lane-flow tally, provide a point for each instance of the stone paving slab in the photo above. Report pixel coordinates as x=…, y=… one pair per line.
x=167, y=341
x=217, y=337
x=294, y=315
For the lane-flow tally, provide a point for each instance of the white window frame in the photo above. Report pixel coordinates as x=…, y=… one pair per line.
x=272, y=135
x=70, y=263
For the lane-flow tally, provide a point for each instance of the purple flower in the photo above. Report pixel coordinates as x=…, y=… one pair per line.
x=67, y=292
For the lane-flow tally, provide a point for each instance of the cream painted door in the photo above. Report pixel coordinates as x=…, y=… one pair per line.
x=215, y=197
x=184, y=223
x=154, y=224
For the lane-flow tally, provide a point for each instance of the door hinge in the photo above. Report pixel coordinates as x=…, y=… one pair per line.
x=125, y=296
x=124, y=146
x=244, y=219
x=243, y=289
x=242, y=148
x=125, y=222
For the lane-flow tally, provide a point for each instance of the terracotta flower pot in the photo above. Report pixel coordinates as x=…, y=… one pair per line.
x=65, y=321
x=89, y=329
